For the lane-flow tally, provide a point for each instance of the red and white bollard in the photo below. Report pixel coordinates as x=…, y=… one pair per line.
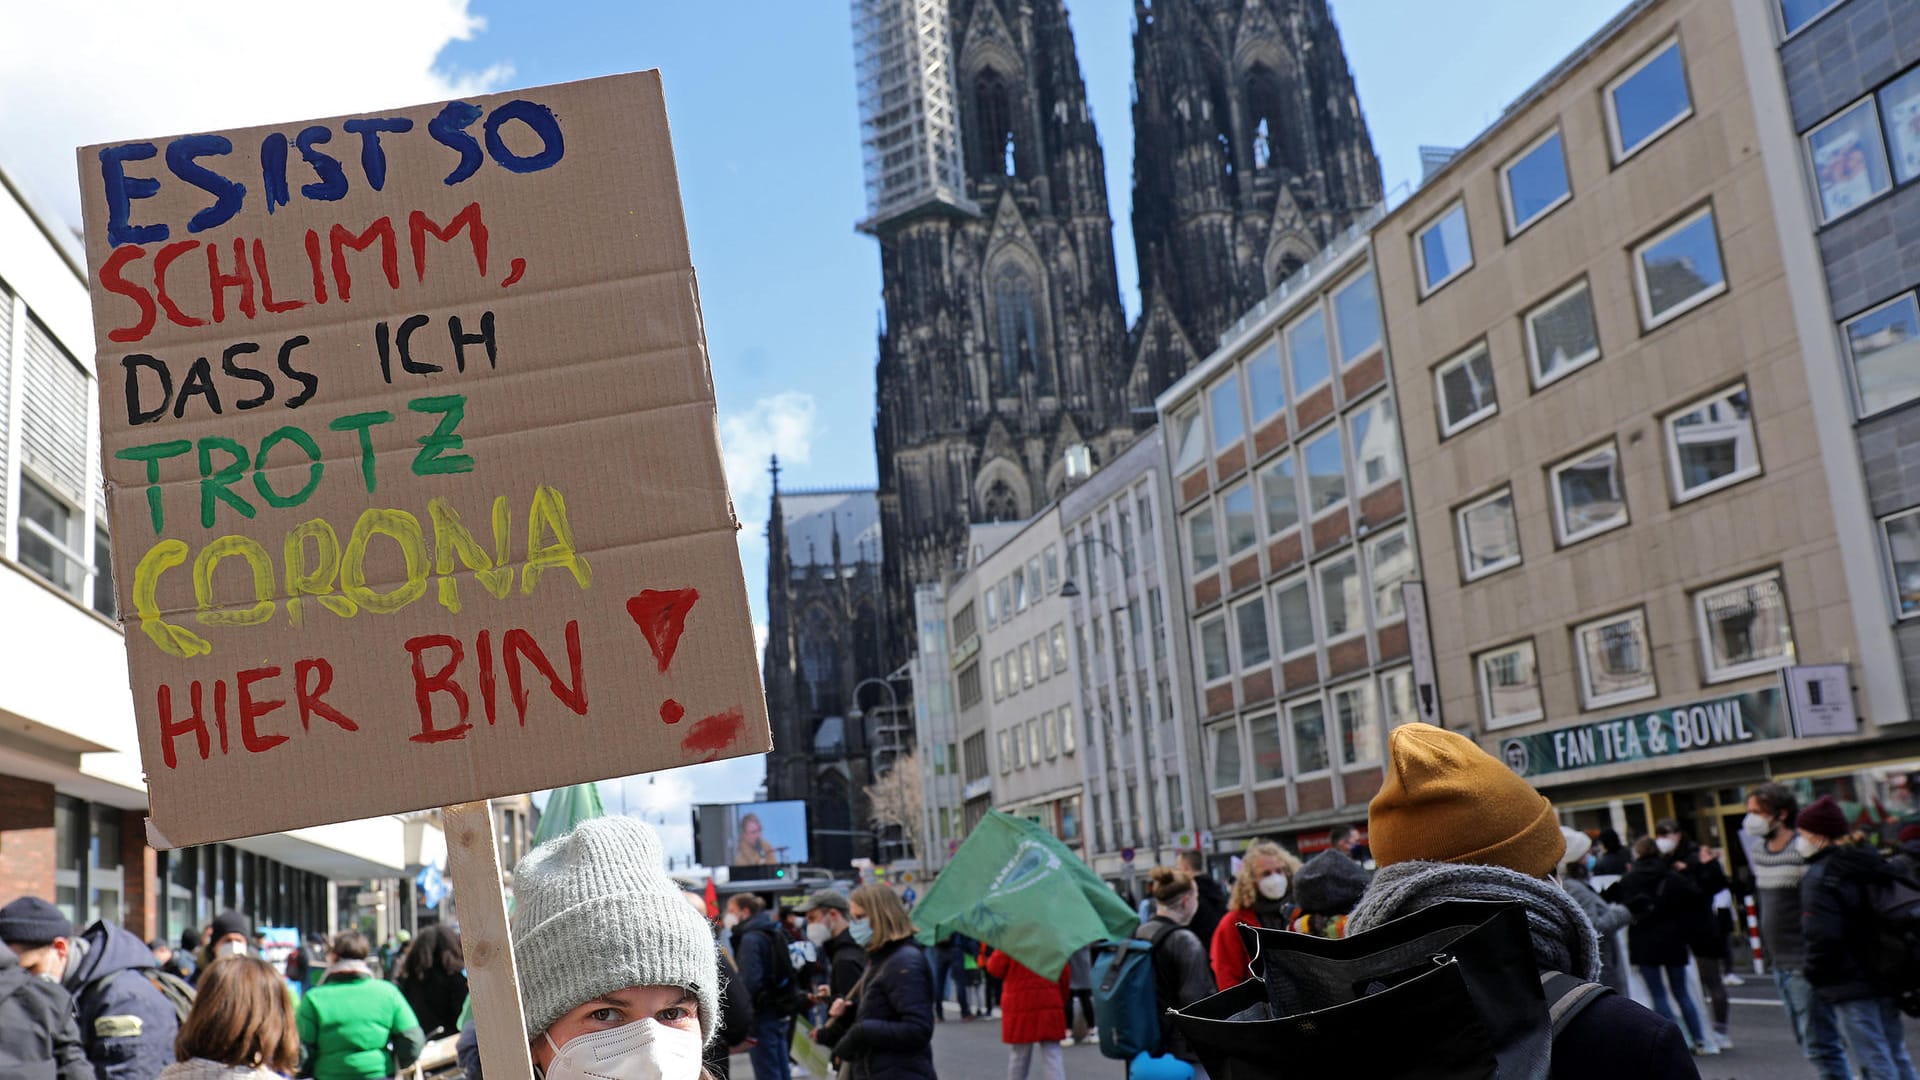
x=1753, y=936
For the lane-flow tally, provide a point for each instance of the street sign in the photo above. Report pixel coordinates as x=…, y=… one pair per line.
x=909, y=896
x=1822, y=700
x=1126, y=854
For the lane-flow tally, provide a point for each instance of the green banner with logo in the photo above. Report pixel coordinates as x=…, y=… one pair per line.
x=1682, y=729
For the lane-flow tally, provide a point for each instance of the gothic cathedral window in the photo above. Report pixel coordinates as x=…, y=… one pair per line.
x=993, y=106
x=1018, y=338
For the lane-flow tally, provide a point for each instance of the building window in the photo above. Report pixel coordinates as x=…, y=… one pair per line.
x=1744, y=627
x=1884, y=346
x=1645, y=101
x=1269, y=757
x=1224, y=743
x=1034, y=586
x=1068, y=737
x=999, y=671
x=1616, y=663
x=1795, y=14
x=1465, y=390
x=1849, y=162
x=1307, y=352
x=1223, y=401
x=1389, y=565
x=1535, y=182
x=1157, y=622
x=1678, y=269
x=965, y=622
x=1326, y=473
x=1266, y=387
x=1489, y=537
x=1026, y=664
x=1280, y=495
x=1900, y=112
x=1033, y=741
x=1200, y=544
x=49, y=538
x=1213, y=649
x=1237, y=504
x=969, y=685
x=1006, y=753
x=1561, y=335
x=1376, y=443
x=1509, y=685
x=1903, y=552
x=1397, y=697
x=104, y=601
x=1006, y=598
x=1356, y=317
x=1589, y=497
x=1019, y=588
x=1250, y=622
x=1307, y=721
x=992, y=597
x=1190, y=440
x=1058, y=646
x=1293, y=604
x=1710, y=444
x=1444, y=249
x=1052, y=561
x=1341, y=608
x=1359, y=727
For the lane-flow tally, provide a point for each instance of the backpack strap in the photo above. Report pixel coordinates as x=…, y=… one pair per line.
x=1567, y=996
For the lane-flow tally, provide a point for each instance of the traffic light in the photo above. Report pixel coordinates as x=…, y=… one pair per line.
x=779, y=871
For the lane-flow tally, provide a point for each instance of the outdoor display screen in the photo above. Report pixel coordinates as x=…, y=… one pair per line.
x=750, y=834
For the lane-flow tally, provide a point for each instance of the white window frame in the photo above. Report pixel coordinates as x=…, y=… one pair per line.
x=1279, y=719
x=1709, y=674
x=1195, y=572
x=1403, y=671
x=1339, y=346
x=1214, y=732
x=1185, y=423
x=1533, y=715
x=1042, y=662
x=1297, y=394
x=997, y=671
x=1006, y=751
x=1886, y=562
x=1353, y=444
x=1460, y=535
x=1273, y=347
x=1568, y=537
x=1541, y=380
x=1872, y=102
x=1027, y=675
x=78, y=520
x=1302, y=579
x=1304, y=470
x=1319, y=591
x=1682, y=494
x=1200, y=648
x=1853, y=362
x=1364, y=686
x=1245, y=486
x=1413, y=574
x=1786, y=34
x=1239, y=657
x=1428, y=288
x=1069, y=737
x=1649, y=321
x=1622, y=153
x=1049, y=735
x=1214, y=446
x=1448, y=426
x=1592, y=700
x=1326, y=736
x=1260, y=479
x=1514, y=226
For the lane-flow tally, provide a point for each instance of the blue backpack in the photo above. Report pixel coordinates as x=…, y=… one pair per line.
x=1126, y=999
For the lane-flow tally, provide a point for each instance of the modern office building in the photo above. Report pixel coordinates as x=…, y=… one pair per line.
x=936, y=739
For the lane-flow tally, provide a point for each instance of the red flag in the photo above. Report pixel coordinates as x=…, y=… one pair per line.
x=713, y=899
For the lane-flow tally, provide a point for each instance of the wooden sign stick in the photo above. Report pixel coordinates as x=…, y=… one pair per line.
x=474, y=857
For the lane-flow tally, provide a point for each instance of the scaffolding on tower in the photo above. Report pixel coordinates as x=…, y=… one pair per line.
x=909, y=120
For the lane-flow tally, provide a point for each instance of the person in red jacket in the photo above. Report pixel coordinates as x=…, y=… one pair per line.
x=1262, y=896
x=1032, y=1016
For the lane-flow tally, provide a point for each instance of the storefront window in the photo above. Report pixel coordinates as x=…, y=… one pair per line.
x=103, y=865
x=1878, y=799
x=70, y=857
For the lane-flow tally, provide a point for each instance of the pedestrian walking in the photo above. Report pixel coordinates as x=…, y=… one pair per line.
x=1608, y=918
x=1452, y=822
x=126, y=1024
x=355, y=1025
x=228, y=935
x=1261, y=897
x=950, y=967
x=829, y=927
x=433, y=979
x=1181, y=974
x=1778, y=868
x=1711, y=956
x=1213, y=897
x=1032, y=1018
x=1839, y=925
x=766, y=971
x=885, y=1030
x=1080, y=989
x=1663, y=903
x=38, y=1037
x=618, y=973
x=1613, y=858
x=1324, y=891
x=241, y=1028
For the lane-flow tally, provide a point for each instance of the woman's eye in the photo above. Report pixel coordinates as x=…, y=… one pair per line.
x=607, y=1015
x=673, y=1014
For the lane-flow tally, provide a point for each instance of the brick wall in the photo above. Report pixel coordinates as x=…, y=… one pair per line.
x=139, y=864
x=26, y=838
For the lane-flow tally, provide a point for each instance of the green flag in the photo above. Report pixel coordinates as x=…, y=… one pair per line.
x=1017, y=888
x=567, y=807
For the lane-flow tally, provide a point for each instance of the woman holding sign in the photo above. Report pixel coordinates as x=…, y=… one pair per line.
x=618, y=975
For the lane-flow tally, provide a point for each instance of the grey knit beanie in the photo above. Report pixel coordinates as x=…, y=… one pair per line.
x=594, y=912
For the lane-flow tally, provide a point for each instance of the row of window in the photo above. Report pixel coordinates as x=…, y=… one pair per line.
x=1743, y=626
x=1343, y=586
x=1011, y=594
x=1307, y=482
x=1868, y=148
x=1134, y=531
x=1033, y=662
x=1112, y=829
x=1710, y=446
x=1342, y=724
x=1642, y=103
x=1345, y=322
x=1045, y=737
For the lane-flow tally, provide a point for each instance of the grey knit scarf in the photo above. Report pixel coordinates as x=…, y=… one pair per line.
x=1563, y=939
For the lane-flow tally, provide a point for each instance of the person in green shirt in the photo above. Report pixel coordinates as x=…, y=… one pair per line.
x=354, y=1025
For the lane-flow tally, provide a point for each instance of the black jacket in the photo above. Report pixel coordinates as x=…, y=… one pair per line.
x=436, y=1000
x=1614, y=1038
x=38, y=1038
x=845, y=962
x=761, y=972
x=1663, y=905
x=1834, y=916
x=1212, y=908
x=1182, y=975
x=736, y=1019
x=1708, y=876
x=127, y=1024
x=1612, y=862
x=891, y=1034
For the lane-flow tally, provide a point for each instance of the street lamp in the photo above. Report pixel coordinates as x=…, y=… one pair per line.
x=857, y=717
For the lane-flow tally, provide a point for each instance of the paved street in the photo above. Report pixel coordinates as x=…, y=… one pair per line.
x=1763, y=1047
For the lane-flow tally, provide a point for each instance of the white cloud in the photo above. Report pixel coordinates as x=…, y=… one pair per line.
x=782, y=424
x=99, y=70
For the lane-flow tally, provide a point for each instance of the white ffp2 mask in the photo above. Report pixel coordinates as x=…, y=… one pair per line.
x=643, y=1050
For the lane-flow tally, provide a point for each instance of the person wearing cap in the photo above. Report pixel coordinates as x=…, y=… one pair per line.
x=618, y=973
x=228, y=935
x=1452, y=822
x=38, y=1037
x=1608, y=918
x=1839, y=926
x=829, y=927
x=126, y=1024
x=1325, y=890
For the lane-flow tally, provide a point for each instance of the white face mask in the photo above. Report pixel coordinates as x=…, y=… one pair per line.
x=234, y=948
x=1757, y=825
x=819, y=932
x=643, y=1050
x=1273, y=886
x=1666, y=844
x=730, y=920
x=1806, y=848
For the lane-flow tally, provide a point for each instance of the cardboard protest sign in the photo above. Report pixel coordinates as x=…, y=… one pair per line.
x=413, y=469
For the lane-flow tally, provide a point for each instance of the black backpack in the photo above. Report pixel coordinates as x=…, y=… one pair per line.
x=177, y=991
x=1893, y=910
x=786, y=995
